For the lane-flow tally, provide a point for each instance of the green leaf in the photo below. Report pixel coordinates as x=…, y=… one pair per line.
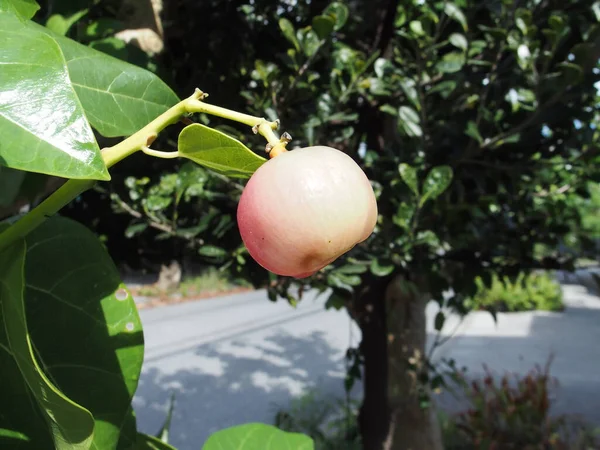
x=336, y=301
x=403, y=215
x=288, y=31
x=85, y=327
x=339, y=12
x=61, y=24
x=381, y=270
x=212, y=252
x=165, y=430
x=42, y=121
x=408, y=121
x=409, y=176
x=572, y=73
x=217, y=151
x=23, y=9
x=118, y=98
x=416, y=27
x=473, y=131
x=10, y=185
x=257, y=436
x=436, y=182
x=323, y=26
x=146, y=442
x=72, y=426
x=459, y=41
x=439, y=321
x=596, y=10
x=451, y=62
x=454, y=12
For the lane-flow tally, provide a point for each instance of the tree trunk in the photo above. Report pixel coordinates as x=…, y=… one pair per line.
x=392, y=321
x=413, y=427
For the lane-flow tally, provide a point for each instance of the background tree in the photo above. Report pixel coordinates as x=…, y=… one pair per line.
x=474, y=120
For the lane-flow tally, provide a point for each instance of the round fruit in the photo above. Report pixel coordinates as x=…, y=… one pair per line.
x=304, y=208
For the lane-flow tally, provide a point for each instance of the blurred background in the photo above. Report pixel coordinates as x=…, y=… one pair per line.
x=469, y=320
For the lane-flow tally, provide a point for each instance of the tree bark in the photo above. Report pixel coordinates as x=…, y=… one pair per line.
x=392, y=321
x=413, y=427
x=374, y=415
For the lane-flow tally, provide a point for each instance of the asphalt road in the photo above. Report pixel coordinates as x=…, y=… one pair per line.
x=237, y=359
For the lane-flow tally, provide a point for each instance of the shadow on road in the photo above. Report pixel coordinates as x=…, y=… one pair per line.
x=237, y=381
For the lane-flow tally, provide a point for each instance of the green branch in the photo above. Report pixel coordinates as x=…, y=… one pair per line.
x=136, y=142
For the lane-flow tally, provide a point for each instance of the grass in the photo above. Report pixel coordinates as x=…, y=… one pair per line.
x=210, y=282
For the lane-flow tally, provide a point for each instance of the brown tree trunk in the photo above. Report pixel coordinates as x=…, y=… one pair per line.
x=392, y=321
x=413, y=427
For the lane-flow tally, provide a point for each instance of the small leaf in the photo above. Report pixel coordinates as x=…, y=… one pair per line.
x=408, y=120
x=596, y=10
x=256, y=436
x=212, y=251
x=473, y=131
x=23, y=9
x=459, y=41
x=381, y=270
x=135, y=229
x=403, y=215
x=323, y=26
x=163, y=434
x=336, y=301
x=416, y=27
x=218, y=151
x=339, y=12
x=436, y=182
x=61, y=24
x=288, y=31
x=451, y=62
x=454, y=12
x=409, y=176
x=439, y=321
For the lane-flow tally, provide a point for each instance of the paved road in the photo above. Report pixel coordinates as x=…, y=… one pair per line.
x=235, y=359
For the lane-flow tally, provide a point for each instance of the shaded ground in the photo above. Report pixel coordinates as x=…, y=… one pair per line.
x=236, y=359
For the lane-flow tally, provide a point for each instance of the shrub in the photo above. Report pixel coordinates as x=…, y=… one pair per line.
x=513, y=413
x=526, y=292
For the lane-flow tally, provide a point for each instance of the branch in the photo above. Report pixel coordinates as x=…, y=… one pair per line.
x=530, y=121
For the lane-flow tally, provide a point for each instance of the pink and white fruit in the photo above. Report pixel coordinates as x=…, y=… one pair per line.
x=304, y=208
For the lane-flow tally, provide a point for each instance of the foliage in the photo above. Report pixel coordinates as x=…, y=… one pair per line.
x=71, y=340
x=330, y=423
x=513, y=412
x=526, y=292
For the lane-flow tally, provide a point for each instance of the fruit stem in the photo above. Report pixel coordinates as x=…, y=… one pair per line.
x=260, y=125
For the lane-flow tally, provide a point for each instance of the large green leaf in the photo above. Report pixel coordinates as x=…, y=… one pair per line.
x=71, y=425
x=85, y=326
x=217, y=151
x=42, y=122
x=119, y=98
x=24, y=9
x=256, y=436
